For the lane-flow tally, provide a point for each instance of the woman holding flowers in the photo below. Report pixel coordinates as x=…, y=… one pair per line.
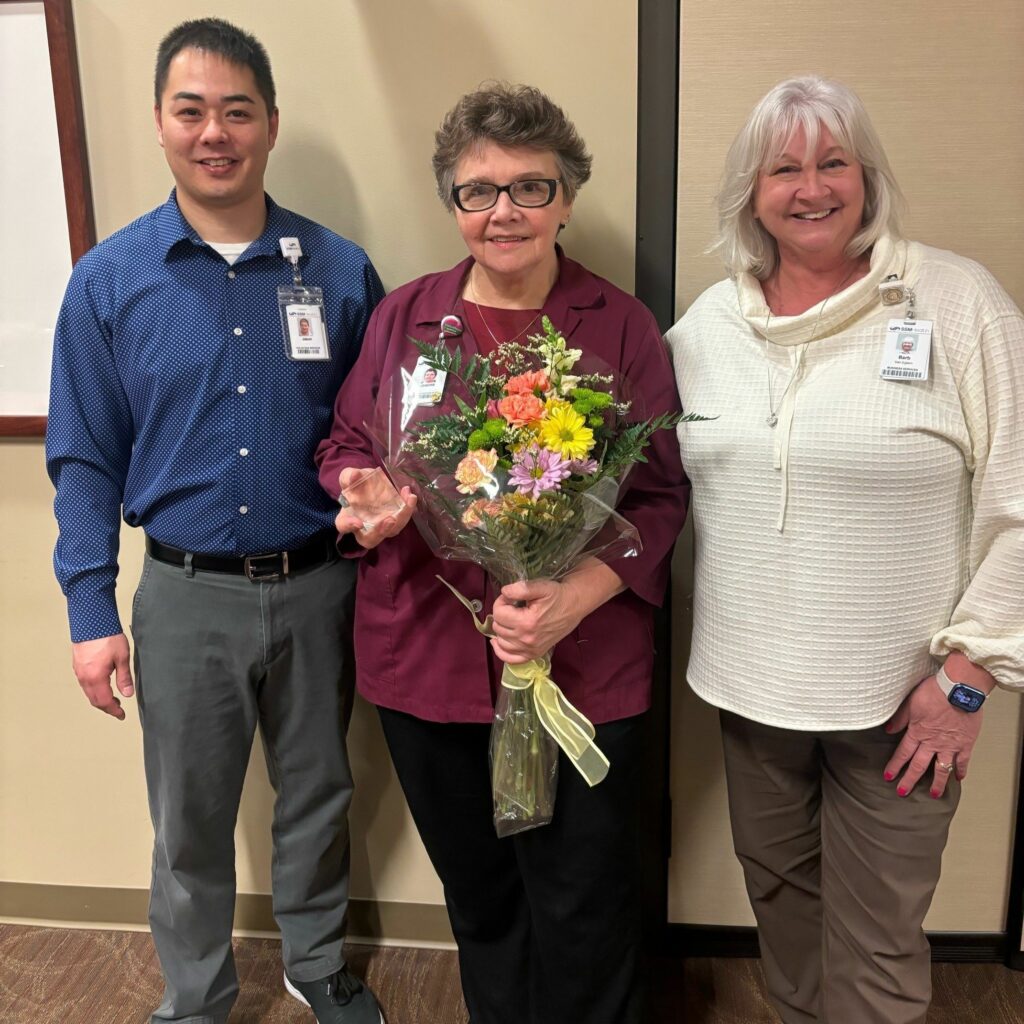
x=546, y=920
x=859, y=528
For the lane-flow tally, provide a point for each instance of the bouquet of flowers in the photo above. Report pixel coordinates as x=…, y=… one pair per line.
x=518, y=460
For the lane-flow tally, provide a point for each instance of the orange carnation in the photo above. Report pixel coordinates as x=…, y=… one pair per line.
x=528, y=383
x=475, y=471
x=472, y=516
x=521, y=409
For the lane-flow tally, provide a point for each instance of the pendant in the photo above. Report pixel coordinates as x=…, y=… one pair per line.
x=772, y=419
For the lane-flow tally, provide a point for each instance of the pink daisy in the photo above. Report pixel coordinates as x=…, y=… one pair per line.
x=535, y=470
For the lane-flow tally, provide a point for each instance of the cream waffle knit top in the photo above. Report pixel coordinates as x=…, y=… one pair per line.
x=880, y=524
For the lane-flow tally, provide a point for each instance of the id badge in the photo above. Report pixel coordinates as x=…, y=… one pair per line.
x=908, y=350
x=303, y=323
x=423, y=386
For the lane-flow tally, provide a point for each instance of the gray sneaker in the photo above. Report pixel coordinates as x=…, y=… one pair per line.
x=340, y=999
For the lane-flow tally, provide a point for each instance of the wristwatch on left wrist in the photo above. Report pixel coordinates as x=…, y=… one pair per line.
x=960, y=695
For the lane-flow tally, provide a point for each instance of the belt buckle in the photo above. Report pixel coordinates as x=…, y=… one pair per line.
x=266, y=568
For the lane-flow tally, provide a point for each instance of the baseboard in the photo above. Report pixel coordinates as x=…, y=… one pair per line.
x=423, y=924
x=412, y=924
x=969, y=947
x=695, y=940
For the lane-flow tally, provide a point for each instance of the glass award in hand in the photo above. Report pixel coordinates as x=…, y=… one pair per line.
x=370, y=495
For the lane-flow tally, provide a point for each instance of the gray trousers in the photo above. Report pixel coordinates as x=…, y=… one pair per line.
x=214, y=655
x=840, y=870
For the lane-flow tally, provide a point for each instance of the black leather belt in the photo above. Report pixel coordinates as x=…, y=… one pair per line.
x=259, y=568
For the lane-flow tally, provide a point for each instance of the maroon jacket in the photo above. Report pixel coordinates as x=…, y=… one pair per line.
x=417, y=650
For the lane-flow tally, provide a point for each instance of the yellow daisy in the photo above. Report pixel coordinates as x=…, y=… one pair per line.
x=565, y=431
x=554, y=404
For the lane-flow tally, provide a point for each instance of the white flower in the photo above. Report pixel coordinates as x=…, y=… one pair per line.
x=567, y=383
x=557, y=358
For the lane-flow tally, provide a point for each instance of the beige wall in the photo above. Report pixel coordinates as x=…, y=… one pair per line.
x=944, y=83
x=362, y=85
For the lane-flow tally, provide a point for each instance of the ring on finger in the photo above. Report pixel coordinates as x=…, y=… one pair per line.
x=946, y=766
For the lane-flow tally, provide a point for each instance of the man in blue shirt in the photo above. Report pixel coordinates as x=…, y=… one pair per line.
x=179, y=397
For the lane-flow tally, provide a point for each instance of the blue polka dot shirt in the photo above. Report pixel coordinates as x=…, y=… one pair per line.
x=174, y=402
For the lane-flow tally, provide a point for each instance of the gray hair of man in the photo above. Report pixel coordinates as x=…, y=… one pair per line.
x=808, y=102
x=512, y=116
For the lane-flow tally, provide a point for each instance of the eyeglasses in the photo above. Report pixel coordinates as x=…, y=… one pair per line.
x=480, y=195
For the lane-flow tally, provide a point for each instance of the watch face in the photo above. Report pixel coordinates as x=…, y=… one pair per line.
x=966, y=698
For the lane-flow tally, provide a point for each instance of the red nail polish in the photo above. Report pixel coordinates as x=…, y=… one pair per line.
x=901, y=791
x=889, y=776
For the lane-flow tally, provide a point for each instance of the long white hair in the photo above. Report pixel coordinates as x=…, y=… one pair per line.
x=808, y=102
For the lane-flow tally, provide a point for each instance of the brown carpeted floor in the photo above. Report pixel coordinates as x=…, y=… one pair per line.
x=58, y=976
x=724, y=991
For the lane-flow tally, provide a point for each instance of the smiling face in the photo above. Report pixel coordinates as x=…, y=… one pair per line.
x=513, y=245
x=811, y=203
x=216, y=133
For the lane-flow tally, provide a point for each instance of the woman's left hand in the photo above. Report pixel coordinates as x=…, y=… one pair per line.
x=529, y=618
x=935, y=730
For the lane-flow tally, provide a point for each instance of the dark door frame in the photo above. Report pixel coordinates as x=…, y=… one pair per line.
x=657, y=120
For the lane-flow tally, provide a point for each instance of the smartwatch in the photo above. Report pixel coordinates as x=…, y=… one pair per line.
x=960, y=695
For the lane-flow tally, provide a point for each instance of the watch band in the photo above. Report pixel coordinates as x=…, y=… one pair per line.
x=945, y=683
x=962, y=696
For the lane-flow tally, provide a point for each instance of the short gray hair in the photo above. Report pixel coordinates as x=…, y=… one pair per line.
x=806, y=102
x=509, y=115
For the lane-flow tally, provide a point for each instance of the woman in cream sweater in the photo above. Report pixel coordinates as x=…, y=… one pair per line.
x=859, y=518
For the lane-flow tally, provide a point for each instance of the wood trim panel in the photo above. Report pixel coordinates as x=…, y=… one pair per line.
x=67, y=96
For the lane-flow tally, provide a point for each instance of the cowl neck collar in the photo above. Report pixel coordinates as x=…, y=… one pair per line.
x=888, y=256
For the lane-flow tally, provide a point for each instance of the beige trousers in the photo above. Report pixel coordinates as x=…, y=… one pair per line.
x=840, y=870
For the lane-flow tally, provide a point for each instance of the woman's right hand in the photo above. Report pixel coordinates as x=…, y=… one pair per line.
x=369, y=536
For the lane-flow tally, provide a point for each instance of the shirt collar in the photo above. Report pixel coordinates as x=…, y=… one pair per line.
x=834, y=314
x=575, y=288
x=173, y=229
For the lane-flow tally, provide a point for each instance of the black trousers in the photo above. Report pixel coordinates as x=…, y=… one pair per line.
x=547, y=921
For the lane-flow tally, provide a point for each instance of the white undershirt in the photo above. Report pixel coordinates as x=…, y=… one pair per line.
x=229, y=250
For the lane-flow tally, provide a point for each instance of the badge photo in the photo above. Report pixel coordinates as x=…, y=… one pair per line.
x=423, y=385
x=307, y=334
x=906, y=353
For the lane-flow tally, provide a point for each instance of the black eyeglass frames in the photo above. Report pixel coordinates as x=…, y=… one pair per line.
x=479, y=195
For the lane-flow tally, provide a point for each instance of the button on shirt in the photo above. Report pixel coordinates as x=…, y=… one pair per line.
x=173, y=397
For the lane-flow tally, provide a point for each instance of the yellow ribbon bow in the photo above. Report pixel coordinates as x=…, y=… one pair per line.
x=568, y=727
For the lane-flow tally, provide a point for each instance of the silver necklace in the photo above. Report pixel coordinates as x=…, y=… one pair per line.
x=487, y=326
x=773, y=410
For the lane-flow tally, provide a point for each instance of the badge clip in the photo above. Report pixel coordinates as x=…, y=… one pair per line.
x=291, y=250
x=892, y=290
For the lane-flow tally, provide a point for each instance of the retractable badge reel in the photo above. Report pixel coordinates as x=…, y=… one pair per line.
x=302, y=312
x=907, y=350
